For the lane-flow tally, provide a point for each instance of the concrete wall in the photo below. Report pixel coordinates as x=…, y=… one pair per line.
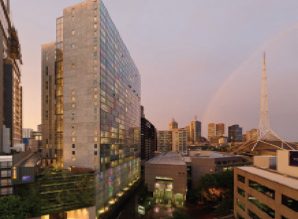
x=264, y=162
x=177, y=172
x=283, y=164
x=81, y=84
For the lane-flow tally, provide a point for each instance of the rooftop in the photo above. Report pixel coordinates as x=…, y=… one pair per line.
x=210, y=154
x=273, y=176
x=168, y=158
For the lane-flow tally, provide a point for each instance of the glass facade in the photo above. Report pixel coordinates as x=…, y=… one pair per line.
x=120, y=114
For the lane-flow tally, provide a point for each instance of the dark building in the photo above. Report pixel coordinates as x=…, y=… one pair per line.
x=10, y=82
x=148, y=138
x=235, y=133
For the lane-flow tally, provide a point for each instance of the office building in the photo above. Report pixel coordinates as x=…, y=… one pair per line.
x=10, y=83
x=195, y=132
x=95, y=123
x=148, y=138
x=235, y=133
x=164, y=141
x=269, y=188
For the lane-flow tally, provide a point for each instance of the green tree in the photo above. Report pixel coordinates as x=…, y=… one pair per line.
x=217, y=189
x=11, y=207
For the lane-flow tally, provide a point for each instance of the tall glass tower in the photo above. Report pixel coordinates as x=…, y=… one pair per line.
x=100, y=101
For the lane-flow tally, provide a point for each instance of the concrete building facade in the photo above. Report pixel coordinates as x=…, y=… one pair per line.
x=264, y=191
x=95, y=103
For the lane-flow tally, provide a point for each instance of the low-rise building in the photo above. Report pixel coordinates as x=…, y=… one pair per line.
x=207, y=162
x=269, y=189
x=166, y=177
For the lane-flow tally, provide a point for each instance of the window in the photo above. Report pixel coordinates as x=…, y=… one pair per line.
x=241, y=178
x=262, y=189
x=241, y=192
x=240, y=205
x=252, y=215
x=95, y=146
x=290, y=202
x=266, y=209
x=95, y=153
x=73, y=146
x=73, y=153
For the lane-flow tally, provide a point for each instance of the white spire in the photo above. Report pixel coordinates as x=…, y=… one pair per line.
x=264, y=125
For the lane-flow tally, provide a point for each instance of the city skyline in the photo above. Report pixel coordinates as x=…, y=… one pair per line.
x=193, y=49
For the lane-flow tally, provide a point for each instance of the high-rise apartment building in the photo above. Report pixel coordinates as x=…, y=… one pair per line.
x=10, y=82
x=195, y=132
x=91, y=100
x=235, y=133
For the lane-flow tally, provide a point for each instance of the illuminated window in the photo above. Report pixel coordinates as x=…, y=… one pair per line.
x=14, y=173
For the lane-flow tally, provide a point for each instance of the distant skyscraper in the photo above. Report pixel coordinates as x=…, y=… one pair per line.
x=173, y=125
x=220, y=130
x=195, y=132
x=235, y=133
x=91, y=100
x=215, y=131
x=10, y=82
x=211, y=130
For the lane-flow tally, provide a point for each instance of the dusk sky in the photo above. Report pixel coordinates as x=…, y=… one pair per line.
x=195, y=57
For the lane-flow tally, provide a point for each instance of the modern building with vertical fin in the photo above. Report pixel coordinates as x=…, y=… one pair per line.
x=91, y=103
